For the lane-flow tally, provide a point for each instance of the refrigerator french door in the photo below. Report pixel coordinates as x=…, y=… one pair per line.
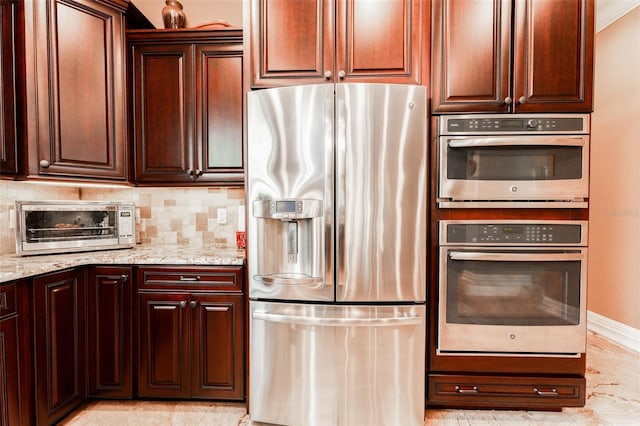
x=337, y=191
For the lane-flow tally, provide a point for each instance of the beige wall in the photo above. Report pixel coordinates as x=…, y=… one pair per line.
x=197, y=11
x=614, y=237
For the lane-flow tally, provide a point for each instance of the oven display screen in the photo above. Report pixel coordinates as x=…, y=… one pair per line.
x=509, y=229
x=511, y=124
x=285, y=206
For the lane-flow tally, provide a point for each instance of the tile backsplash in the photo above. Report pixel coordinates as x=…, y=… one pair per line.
x=182, y=216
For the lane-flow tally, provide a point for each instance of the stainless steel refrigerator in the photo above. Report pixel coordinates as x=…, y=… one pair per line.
x=337, y=192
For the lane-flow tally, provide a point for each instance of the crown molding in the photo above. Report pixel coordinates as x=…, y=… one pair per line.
x=609, y=11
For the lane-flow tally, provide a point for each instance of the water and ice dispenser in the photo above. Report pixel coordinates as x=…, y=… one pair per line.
x=290, y=241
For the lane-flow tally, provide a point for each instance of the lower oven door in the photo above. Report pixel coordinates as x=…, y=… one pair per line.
x=512, y=301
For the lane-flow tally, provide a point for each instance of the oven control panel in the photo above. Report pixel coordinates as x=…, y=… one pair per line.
x=517, y=124
x=513, y=233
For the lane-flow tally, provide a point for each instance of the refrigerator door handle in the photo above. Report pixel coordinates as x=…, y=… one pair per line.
x=338, y=322
x=341, y=140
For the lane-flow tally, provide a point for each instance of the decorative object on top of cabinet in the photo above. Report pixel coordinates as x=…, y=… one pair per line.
x=172, y=15
x=512, y=56
x=11, y=65
x=76, y=103
x=187, y=106
x=317, y=41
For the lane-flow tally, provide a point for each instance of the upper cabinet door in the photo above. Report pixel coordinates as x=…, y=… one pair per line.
x=314, y=41
x=380, y=41
x=534, y=56
x=76, y=101
x=553, y=54
x=8, y=95
x=219, y=114
x=292, y=42
x=471, y=56
x=163, y=113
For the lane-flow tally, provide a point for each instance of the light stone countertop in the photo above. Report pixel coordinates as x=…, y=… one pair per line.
x=13, y=267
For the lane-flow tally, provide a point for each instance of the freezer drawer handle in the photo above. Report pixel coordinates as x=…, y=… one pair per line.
x=332, y=322
x=288, y=279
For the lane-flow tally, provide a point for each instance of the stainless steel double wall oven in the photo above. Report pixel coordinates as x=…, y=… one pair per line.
x=516, y=284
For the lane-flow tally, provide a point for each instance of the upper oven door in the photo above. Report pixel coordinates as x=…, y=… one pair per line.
x=513, y=168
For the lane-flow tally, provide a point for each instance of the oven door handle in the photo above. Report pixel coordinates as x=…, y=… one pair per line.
x=516, y=257
x=516, y=141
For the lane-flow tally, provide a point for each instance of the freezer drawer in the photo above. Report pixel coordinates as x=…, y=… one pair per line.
x=337, y=365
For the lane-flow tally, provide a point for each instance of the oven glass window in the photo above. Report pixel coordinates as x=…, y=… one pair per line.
x=513, y=292
x=51, y=225
x=515, y=163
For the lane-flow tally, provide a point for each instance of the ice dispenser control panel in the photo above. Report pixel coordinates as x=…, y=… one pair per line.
x=287, y=209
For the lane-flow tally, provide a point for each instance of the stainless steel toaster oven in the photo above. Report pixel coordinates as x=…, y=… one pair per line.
x=73, y=226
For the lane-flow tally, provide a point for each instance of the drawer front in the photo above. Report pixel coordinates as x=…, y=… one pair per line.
x=219, y=278
x=8, y=302
x=506, y=392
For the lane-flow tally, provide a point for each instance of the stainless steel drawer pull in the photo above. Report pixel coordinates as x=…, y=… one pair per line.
x=546, y=392
x=183, y=278
x=467, y=390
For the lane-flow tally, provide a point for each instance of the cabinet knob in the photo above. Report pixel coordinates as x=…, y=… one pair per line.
x=522, y=99
x=198, y=172
x=327, y=75
x=183, y=304
x=508, y=100
x=193, y=303
x=44, y=164
x=124, y=278
x=342, y=74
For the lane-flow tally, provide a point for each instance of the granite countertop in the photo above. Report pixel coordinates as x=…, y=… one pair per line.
x=13, y=267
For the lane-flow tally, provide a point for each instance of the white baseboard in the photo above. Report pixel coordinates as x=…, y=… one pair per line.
x=615, y=331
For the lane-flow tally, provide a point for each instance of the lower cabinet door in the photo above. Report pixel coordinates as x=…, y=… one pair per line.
x=110, y=335
x=163, y=355
x=59, y=344
x=9, y=381
x=218, y=338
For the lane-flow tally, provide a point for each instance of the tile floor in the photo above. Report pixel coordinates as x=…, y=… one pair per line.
x=613, y=398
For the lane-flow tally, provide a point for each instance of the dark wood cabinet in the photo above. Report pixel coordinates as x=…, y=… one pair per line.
x=187, y=106
x=75, y=89
x=60, y=346
x=506, y=392
x=317, y=41
x=109, y=339
x=14, y=362
x=10, y=69
x=190, y=332
x=512, y=56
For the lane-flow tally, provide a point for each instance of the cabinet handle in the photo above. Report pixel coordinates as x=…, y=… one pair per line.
x=467, y=390
x=44, y=164
x=508, y=100
x=183, y=278
x=342, y=74
x=546, y=392
x=327, y=75
x=183, y=304
x=522, y=99
x=3, y=301
x=193, y=303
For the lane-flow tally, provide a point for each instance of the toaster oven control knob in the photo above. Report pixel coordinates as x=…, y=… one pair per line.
x=532, y=124
x=44, y=164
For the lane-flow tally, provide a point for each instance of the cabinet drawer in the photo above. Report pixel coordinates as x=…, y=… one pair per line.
x=8, y=301
x=220, y=278
x=506, y=392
